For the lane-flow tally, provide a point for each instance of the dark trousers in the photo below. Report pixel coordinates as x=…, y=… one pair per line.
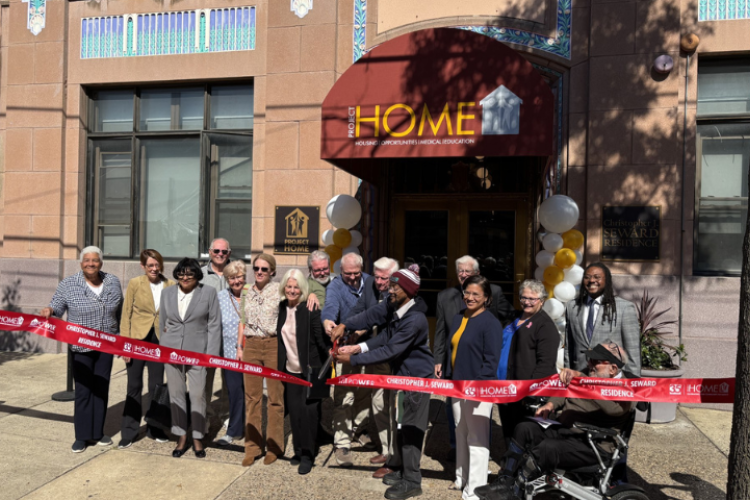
x=511, y=414
x=554, y=447
x=407, y=452
x=91, y=371
x=235, y=385
x=303, y=417
x=131, y=414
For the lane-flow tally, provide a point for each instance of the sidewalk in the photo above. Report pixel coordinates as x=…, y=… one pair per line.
x=686, y=459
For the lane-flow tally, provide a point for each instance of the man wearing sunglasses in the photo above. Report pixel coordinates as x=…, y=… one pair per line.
x=213, y=272
x=213, y=276
x=535, y=450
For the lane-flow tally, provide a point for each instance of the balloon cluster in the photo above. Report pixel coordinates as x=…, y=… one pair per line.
x=343, y=212
x=559, y=262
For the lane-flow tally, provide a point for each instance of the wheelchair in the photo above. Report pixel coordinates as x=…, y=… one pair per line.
x=593, y=482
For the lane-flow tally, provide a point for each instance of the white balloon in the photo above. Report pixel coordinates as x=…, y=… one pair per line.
x=337, y=267
x=350, y=249
x=329, y=208
x=345, y=212
x=574, y=275
x=554, y=308
x=579, y=257
x=356, y=238
x=539, y=274
x=552, y=242
x=565, y=291
x=544, y=259
x=328, y=237
x=540, y=235
x=558, y=213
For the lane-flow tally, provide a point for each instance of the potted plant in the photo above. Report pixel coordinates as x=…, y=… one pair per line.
x=658, y=359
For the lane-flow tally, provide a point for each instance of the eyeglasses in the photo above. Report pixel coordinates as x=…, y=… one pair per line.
x=216, y=251
x=472, y=295
x=186, y=276
x=352, y=275
x=465, y=273
x=236, y=278
x=326, y=269
x=261, y=269
x=529, y=300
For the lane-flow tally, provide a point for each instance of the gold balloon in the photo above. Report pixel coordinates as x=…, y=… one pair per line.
x=550, y=290
x=564, y=258
x=572, y=239
x=333, y=252
x=553, y=275
x=342, y=237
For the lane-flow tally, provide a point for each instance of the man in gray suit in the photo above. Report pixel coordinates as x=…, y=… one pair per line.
x=189, y=319
x=597, y=315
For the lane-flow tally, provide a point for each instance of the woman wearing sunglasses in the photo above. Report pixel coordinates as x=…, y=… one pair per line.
x=257, y=344
x=189, y=319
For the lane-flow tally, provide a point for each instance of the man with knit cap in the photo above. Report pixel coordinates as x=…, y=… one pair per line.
x=405, y=345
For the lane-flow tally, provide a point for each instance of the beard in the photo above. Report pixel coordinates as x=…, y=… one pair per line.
x=323, y=281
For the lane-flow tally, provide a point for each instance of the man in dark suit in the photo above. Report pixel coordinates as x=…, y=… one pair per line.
x=375, y=292
x=595, y=315
x=449, y=303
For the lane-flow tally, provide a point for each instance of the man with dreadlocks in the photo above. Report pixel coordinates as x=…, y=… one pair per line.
x=595, y=315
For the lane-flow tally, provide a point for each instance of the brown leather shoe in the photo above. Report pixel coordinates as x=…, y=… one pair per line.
x=248, y=461
x=381, y=472
x=378, y=459
x=270, y=458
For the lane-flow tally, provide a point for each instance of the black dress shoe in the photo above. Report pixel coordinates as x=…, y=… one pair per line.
x=403, y=490
x=295, y=460
x=392, y=478
x=178, y=452
x=199, y=453
x=305, y=465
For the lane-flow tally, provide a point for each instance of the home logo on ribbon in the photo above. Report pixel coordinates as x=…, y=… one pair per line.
x=11, y=321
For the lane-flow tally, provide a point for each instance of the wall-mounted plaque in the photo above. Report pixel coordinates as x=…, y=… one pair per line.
x=296, y=230
x=631, y=233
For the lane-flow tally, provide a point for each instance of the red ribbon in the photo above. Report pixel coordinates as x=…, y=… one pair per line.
x=70, y=333
x=676, y=390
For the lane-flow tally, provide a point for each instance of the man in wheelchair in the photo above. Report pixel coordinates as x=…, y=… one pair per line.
x=587, y=432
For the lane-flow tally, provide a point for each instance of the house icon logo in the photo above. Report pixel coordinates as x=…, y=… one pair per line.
x=296, y=224
x=501, y=112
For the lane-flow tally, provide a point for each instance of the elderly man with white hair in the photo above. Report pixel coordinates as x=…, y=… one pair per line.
x=375, y=292
x=319, y=268
x=350, y=406
x=449, y=303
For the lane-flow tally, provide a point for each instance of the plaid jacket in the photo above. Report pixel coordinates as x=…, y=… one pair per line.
x=85, y=308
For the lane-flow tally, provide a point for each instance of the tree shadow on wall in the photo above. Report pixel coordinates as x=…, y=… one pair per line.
x=10, y=299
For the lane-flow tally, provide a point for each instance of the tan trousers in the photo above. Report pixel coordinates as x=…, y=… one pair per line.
x=380, y=409
x=351, y=407
x=263, y=352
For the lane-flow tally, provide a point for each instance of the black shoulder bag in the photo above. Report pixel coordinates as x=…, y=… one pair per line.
x=319, y=388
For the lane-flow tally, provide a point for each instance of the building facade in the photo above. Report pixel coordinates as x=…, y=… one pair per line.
x=163, y=124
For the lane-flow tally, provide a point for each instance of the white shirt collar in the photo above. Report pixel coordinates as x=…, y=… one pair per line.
x=181, y=295
x=403, y=309
x=598, y=300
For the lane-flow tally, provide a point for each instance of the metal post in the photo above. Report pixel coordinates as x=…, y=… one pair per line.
x=68, y=394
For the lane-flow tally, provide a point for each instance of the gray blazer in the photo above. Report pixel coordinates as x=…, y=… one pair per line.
x=200, y=331
x=626, y=332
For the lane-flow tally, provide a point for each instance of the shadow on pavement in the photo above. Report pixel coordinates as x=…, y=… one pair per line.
x=700, y=489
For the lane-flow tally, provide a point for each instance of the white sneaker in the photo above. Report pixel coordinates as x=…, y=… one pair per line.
x=226, y=424
x=225, y=440
x=105, y=441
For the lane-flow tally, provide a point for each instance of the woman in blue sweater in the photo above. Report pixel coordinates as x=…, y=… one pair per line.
x=473, y=354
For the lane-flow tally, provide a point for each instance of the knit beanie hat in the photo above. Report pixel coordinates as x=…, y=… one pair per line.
x=407, y=279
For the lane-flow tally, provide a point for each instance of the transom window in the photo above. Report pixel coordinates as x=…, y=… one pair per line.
x=170, y=169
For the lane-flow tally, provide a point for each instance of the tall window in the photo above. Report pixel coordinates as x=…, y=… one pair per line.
x=723, y=154
x=170, y=169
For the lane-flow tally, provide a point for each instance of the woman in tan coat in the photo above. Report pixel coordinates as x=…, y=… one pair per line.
x=140, y=320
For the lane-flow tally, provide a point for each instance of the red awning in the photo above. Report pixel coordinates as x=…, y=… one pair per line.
x=437, y=93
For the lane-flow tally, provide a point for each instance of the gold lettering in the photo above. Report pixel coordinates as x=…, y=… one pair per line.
x=461, y=117
x=387, y=114
x=445, y=115
x=375, y=119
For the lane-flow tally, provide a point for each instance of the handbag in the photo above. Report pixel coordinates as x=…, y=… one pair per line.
x=319, y=389
x=159, y=413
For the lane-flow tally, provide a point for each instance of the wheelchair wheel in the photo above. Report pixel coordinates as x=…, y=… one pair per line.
x=630, y=495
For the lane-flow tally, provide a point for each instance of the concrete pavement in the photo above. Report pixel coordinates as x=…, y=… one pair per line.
x=686, y=459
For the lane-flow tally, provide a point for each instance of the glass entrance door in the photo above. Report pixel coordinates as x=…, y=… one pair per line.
x=434, y=233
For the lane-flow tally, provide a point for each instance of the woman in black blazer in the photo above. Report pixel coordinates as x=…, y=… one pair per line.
x=302, y=351
x=533, y=347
